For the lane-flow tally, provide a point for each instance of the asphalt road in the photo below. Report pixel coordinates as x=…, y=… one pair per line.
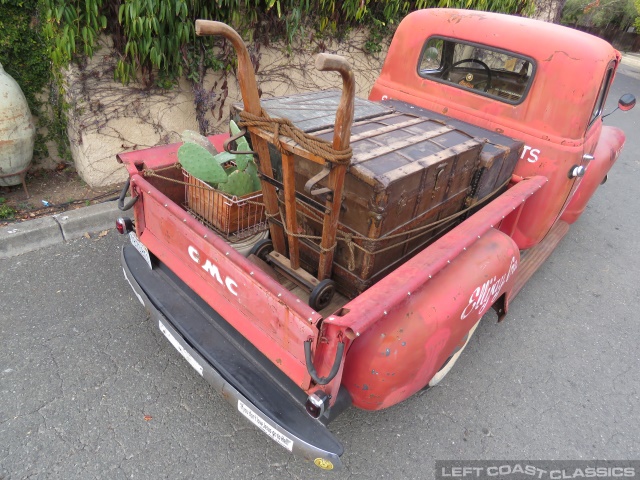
x=89, y=388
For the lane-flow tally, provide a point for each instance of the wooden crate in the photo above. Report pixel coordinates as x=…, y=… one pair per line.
x=407, y=172
x=234, y=217
x=411, y=168
x=498, y=157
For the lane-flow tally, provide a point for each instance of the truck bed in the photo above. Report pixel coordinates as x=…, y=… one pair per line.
x=216, y=306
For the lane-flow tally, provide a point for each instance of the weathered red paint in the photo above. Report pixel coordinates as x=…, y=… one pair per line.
x=418, y=286
x=604, y=156
x=400, y=331
x=554, y=116
x=160, y=156
x=256, y=305
x=398, y=355
x=391, y=292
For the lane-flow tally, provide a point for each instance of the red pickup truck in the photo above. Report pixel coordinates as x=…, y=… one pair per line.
x=393, y=225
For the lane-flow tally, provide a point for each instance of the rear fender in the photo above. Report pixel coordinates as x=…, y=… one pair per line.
x=400, y=354
x=431, y=317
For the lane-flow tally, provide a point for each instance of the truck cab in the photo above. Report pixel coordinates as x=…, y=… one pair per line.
x=534, y=81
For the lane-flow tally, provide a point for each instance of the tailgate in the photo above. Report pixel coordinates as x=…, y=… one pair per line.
x=262, y=310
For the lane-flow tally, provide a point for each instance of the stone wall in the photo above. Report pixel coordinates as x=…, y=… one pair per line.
x=107, y=118
x=549, y=10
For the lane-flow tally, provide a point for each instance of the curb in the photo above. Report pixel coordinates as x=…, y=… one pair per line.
x=24, y=237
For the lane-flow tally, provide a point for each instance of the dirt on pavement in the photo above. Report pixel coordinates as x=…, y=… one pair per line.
x=50, y=192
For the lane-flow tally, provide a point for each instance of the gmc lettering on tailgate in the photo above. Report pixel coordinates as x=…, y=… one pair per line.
x=213, y=270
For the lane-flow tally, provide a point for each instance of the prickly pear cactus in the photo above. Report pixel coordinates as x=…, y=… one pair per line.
x=189, y=136
x=252, y=171
x=225, y=157
x=242, y=161
x=199, y=163
x=234, y=128
x=230, y=173
x=242, y=145
x=239, y=183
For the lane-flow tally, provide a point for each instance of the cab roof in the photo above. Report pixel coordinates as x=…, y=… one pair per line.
x=570, y=66
x=534, y=38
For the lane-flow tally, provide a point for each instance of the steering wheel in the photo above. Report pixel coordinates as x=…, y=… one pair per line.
x=472, y=60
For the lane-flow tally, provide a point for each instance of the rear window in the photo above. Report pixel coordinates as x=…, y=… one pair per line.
x=483, y=70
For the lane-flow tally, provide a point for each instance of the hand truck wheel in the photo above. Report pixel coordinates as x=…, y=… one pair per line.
x=322, y=294
x=262, y=249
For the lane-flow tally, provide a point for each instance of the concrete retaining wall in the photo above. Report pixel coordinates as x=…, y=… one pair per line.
x=107, y=118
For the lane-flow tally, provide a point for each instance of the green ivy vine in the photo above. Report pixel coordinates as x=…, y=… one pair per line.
x=156, y=41
x=25, y=56
x=152, y=35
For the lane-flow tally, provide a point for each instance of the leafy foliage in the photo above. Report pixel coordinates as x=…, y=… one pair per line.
x=25, y=56
x=21, y=51
x=6, y=212
x=601, y=13
x=70, y=24
x=159, y=35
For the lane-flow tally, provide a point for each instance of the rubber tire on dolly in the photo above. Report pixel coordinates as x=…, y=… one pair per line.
x=321, y=295
x=262, y=249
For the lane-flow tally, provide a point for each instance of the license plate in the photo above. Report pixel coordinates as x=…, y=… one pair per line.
x=257, y=420
x=144, y=251
x=187, y=356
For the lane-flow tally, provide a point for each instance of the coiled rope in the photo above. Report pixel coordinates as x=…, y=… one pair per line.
x=283, y=126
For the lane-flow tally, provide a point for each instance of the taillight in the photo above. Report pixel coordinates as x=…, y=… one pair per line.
x=317, y=403
x=124, y=225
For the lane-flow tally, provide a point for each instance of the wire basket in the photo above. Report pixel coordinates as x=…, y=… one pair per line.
x=233, y=217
